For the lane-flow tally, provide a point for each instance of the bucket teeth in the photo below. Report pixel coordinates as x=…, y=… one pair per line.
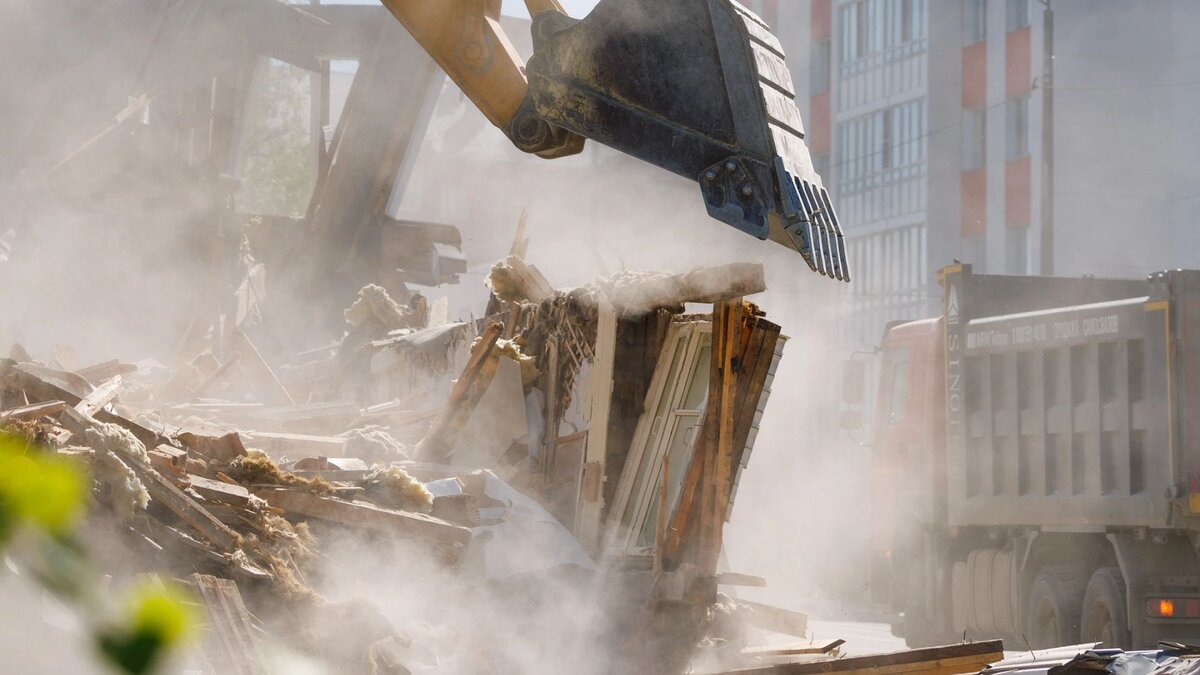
x=638, y=75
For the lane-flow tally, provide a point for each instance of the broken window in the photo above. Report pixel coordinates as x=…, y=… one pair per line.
x=677, y=397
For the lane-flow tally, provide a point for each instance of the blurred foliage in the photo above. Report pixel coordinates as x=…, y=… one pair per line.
x=155, y=619
x=278, y=164
x=41, y=491
x=46, y=497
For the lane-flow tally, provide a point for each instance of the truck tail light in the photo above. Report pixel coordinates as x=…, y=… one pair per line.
x=1173, y=608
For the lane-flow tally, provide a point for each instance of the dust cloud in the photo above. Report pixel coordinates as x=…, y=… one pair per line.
x=113, y=257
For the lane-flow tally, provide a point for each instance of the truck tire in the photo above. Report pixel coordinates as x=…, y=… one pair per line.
x=1053, y=611
x=1105, y=609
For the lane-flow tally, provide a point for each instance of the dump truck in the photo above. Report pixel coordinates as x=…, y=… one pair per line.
x=697, y=87
x=1036, y=462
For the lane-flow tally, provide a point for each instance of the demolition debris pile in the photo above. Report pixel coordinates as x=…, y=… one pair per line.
x=518, y=454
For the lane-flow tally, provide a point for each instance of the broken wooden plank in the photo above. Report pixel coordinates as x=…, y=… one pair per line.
x=464, y=395
x=755, y=360
x=367, y=516
x=166, y=458
x=590, y=507
x=952, y=660
x=798, y=650
x=105, y=370
x=717, y=429
x=100, y=397
x=219, y=491
x=232, y=647
x=33, y=411
x=187, y=509
x=63, y=379
x=39, y=388
x=223, y=448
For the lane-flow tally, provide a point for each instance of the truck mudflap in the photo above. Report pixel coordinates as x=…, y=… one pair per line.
x=697, y=87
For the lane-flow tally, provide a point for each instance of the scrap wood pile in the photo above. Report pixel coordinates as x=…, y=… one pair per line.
x=235, y=470
x=203, y=506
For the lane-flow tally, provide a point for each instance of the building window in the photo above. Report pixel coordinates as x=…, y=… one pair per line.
x=1016, y=250
x=820, y=67
x=892, y=138
x=1016, y=15
x=974, y=21
x=906, y=21
x=974, y=138
x=868, y=27
x=1016, y=127
x=851, y=27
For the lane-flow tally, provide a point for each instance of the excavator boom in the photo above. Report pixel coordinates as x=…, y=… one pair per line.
x=697, y=87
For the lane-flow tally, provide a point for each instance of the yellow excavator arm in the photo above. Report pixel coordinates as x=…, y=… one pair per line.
x=697, y=87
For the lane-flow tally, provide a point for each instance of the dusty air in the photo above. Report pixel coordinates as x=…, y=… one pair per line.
x=696, y=337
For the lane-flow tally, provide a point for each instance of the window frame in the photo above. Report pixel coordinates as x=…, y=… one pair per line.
x=974, y=138
x=974, y=22
x=1017, y=15
x=1017, y=133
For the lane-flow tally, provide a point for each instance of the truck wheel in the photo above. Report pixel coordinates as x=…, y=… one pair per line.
x=1105, y=612
x=1052, y=613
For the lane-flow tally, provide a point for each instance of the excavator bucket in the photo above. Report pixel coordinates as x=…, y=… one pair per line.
x=700, y=88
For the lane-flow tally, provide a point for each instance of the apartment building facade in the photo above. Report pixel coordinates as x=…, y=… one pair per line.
x=925, y=118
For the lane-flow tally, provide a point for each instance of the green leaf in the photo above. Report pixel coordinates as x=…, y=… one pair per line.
x=41, y=490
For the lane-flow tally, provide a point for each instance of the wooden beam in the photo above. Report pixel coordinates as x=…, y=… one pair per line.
x=600, y=384
x=105, y=370
x=755, y=363
x=99, y=397
x=188, y=509
x=368, y=516
x=464, y=396
x=219, y=491
x=38, y=388
x=33, y=411
x=718, y=430
x=232, y=648
x=952, y=660
x=800, y=650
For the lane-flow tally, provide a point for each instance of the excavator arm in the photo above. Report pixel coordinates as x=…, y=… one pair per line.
x=697, y=87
